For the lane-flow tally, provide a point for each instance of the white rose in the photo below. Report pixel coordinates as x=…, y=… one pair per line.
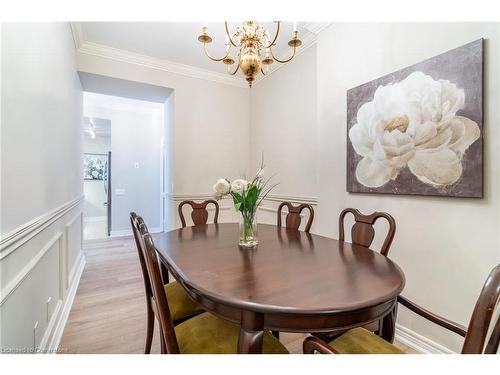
x=413, y=123
x=239, y=185
x=221, y=187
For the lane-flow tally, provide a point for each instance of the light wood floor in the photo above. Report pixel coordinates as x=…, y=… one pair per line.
x=108, y=314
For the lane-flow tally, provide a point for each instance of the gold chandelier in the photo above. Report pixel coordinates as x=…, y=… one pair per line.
x=251, y=41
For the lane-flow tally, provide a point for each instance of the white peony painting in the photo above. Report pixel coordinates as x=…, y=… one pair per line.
x=419, y=130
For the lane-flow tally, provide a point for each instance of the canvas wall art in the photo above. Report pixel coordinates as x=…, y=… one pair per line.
x=419, y=130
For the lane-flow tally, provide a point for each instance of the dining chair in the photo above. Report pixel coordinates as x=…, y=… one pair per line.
x=181, y=305
x=199, y=214
x=363, y=233
x=202, y=334
x=293, y=217
x=481, y=337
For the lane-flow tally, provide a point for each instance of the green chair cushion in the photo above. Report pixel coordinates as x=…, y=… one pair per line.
x=362, y=341
x=208, y=334
x=179, y=302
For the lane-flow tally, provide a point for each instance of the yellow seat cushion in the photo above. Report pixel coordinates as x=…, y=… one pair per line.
x=208, y=334
x=362, y=341
x=179, y=302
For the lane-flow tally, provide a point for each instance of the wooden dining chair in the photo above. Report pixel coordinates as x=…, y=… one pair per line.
x=481, y=337
x=202, y=334
x=363, y=233
x=199, y=214
x=182, y=306
x=293, y=217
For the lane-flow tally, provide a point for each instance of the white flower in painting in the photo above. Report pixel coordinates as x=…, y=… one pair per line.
x=95, y=174
x=413, y=123
x=239, y=185
x=221, y=188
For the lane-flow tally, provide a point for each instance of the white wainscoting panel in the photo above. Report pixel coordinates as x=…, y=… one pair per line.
x=43, y=261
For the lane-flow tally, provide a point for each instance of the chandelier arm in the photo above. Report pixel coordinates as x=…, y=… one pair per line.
x=275, y=35
x=236, y=70
x=237, y=67
x=283, y=61
x=262, y=71
x=215, y=58
x=229, y=35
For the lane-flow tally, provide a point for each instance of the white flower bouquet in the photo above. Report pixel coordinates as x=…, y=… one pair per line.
x=247, y=196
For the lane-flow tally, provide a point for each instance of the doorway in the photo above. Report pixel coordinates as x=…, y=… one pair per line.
x=96, y=177
x=127, y=134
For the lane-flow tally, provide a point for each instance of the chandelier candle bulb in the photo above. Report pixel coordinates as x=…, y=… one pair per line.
x=295, y=26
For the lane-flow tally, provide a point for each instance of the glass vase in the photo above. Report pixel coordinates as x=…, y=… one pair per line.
x=248, y=229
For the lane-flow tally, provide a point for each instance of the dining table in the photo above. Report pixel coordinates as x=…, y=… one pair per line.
x=292, y=281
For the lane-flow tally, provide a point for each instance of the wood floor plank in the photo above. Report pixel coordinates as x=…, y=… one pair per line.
x=109, y=311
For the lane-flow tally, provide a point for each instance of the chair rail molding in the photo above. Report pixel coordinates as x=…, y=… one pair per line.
x=17, y=237
x=270, y=198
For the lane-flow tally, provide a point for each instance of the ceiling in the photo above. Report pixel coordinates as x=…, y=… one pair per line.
x=178, y=41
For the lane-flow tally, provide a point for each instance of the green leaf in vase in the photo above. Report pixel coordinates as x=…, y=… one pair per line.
x=251, y=197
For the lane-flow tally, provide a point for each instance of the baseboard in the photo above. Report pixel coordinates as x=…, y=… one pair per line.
x=420, y=343
x=94, y=219
x=128, y=232
x=60, y=324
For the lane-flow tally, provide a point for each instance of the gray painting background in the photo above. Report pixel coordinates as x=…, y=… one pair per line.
x=462, y=66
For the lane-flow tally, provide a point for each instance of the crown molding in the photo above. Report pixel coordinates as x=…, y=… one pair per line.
x=314, y=29
x=77, y=33
x=99, y=50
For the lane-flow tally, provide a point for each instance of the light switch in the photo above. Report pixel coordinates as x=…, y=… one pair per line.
x=119, y=191
x=136, y=165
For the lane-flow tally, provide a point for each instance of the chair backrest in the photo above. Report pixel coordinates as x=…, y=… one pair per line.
x=483, y=321
x=293, y=218
x=136, y=222
x=362, y=232
x=160, y=297
x=199, y=215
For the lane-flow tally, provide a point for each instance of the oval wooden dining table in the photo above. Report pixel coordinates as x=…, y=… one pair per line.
x=292, y=281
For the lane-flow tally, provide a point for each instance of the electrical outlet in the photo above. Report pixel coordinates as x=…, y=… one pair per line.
x=136, y=165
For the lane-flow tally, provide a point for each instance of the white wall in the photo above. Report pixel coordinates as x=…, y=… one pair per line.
x=210, y=127
x=136, y=139
x=41, y=169
x=283, y=105
x=446, y=246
